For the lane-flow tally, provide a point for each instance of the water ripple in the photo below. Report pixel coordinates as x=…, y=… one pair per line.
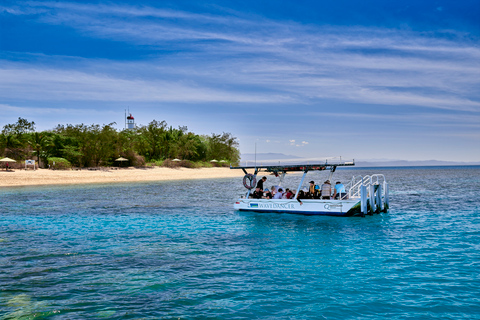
x=178, y=250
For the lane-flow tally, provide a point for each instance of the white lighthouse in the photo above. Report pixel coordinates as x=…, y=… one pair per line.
x=130, y=122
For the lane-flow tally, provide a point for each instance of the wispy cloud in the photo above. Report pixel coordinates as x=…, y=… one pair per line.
x=28, y=83
x=240, y=59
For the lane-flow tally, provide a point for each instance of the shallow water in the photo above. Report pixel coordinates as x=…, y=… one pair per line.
x=178, y=250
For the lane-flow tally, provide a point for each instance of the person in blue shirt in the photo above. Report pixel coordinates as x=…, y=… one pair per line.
x=339, y=191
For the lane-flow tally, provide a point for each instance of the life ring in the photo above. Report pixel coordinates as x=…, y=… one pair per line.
x=249, y=181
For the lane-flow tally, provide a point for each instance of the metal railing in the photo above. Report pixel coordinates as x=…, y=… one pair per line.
x=354, y=186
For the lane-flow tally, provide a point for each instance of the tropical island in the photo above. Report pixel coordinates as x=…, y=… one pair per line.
x=87, y=146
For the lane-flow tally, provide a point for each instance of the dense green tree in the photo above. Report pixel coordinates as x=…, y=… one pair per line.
x=94, y=145
x=223, y=147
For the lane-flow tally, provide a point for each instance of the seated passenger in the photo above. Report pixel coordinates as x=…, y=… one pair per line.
x=316, y=195
x=339, y=191
x=287, y=194
x=257, y=194
x=279, y=194
x=311, y=190
x=273, y=190
x=267, y=194
x=294, y=194
x=326, y=190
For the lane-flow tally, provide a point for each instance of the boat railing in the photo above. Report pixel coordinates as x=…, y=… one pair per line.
x=354, y=186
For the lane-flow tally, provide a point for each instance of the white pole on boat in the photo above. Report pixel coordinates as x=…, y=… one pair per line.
x=372, y=198
x=387, y=204
x=300, y=185
x=372, y=195
x=363, y=197
x=379, y=199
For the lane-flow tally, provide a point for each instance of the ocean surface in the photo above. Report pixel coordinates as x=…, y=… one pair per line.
x=178, y=250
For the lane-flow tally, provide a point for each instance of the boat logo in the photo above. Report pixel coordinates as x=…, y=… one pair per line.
x=253, y=205
x=329, y=206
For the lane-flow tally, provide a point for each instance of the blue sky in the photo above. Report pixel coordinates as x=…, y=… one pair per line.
x=357, y=79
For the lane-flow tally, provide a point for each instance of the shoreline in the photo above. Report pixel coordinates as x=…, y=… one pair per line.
x=43, y=177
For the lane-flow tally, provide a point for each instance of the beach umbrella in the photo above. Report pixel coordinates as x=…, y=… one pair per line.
x=213, y=160
x=7, y=160
x=223, y=161
x=121, y=159
x=176, y=160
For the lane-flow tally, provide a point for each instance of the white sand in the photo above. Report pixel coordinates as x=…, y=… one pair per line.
x=52, y=177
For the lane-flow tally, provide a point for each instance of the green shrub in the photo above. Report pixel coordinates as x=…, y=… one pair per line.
x=59, y=163
x=170, y=164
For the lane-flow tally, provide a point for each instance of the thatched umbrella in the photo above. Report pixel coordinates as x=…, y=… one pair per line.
x=121, y=159
x=176, y=160
x=7, y=160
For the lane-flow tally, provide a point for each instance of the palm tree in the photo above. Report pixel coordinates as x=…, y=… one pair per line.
x=40, y=143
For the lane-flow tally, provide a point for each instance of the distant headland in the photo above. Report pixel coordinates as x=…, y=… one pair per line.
x=283, y=158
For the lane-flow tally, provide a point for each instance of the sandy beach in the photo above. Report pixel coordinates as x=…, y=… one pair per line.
x=17, y=178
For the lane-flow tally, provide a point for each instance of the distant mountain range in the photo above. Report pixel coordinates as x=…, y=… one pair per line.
x=267, y=156
x=273, y=158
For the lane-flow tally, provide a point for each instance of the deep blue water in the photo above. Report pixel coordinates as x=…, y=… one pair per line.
x=177, y=250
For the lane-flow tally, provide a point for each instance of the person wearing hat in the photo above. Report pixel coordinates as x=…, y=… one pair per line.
x=267, y=194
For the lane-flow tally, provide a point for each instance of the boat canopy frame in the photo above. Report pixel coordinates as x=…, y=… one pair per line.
x=277, y=169
x=283, y=169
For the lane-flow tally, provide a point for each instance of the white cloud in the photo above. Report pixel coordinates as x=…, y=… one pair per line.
x=250, y=60
x=30, y=83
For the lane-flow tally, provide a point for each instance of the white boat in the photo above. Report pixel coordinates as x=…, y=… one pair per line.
x=364, y=195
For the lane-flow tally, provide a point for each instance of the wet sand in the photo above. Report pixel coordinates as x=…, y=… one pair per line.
x=17, y=178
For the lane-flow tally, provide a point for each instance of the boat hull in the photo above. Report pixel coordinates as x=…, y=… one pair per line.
x=345, y=208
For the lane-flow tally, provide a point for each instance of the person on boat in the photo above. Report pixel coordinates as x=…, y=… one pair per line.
x=260, y=183
x=311, y=190
x=326, y=190
x=258, y=193
x=288, y=194
x=316, y=195
x=339, y=191
x=267, y=194
x=279, y=194
x=273, y=190
x=301, y=195
x=294, y=194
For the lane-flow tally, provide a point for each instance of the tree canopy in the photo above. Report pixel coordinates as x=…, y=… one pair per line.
x=99, y=145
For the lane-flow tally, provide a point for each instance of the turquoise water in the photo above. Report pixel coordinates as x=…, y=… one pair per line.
x=178, y=250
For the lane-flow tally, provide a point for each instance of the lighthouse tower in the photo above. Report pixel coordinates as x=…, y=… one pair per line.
x=130, y=122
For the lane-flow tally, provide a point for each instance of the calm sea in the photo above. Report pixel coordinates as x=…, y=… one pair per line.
x=177, y=250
